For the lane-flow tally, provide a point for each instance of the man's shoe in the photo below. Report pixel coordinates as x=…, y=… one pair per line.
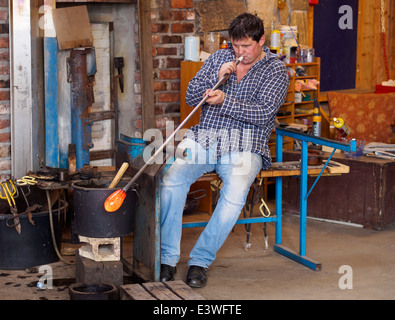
x=167, y=272
x=197, y=277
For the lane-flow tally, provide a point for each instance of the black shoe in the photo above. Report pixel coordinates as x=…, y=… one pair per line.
x=197, y=277
x=167, y=272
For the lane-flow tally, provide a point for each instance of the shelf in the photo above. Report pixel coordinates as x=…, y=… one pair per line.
x=316, y=63
x=301, y=115
x=312, y=71
x=305, y=77
x=285, y=117
x=304, y=102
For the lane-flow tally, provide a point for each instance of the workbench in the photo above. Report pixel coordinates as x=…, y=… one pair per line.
x=277, y=169
x=370, y=182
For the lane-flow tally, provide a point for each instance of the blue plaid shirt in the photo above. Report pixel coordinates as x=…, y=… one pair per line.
x=245, y=119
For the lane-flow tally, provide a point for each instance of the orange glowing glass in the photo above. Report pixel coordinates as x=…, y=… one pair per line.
x=114, y=200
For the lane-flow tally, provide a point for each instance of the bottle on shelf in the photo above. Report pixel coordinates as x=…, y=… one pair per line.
x=224, y=45
x=281, y=4
x=275, y=39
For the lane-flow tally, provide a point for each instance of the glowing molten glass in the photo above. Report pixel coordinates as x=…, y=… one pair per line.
x=114, y=200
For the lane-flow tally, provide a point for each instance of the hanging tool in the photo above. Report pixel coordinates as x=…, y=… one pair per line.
x=118, y=63
x=8, y=191
x=29, y=208
x=115, y=200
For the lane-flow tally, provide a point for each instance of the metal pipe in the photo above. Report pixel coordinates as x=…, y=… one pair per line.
x=80, y=101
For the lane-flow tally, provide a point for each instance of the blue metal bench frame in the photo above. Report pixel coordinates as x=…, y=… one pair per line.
x=277, y=219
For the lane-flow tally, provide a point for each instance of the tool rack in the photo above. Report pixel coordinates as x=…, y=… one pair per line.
x=303, y=172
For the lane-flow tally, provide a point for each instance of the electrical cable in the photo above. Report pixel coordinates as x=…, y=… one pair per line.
x=53, y=231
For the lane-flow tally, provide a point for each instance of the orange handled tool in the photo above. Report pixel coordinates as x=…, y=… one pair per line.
x=119, y=175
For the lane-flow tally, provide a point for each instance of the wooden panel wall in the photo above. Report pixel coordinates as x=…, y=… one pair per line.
x=392, y=38
x=146, y=65
x=370, y=61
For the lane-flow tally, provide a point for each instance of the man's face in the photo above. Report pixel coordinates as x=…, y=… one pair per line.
x=250, y=50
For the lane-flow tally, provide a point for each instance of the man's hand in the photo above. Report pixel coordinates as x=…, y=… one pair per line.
x=227, y=68
x=215, y=97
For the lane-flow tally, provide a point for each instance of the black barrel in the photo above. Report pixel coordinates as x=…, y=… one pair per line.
x=34, y=246
x=92, y=220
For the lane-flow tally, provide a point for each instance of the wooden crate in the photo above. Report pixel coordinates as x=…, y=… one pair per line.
x=171, y=290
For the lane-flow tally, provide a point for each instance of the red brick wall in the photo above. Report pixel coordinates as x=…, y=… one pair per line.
x=172, y=21
x=5, y=129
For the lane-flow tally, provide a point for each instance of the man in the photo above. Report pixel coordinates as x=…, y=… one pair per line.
x=231, y=138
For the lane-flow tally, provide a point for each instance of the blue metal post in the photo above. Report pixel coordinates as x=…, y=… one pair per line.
x=316, y=180
x=51, y=101
x=303, y=200
x=305, y=139
x=279, y=190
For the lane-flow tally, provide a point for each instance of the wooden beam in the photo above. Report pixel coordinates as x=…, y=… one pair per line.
x=101, y=154
x=97, y=1
x=102, y=115
x=310, y=26
x=146, y=65
x=391, y=38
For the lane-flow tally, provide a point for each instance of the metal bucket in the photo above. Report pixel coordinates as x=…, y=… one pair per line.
x=93, y=291
x=92, y=220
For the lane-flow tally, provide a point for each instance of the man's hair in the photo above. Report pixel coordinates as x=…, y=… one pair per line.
x=246, y=25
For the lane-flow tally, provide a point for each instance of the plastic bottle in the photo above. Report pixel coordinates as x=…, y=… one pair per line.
x=224, y=45
x=317, y=122
x=341, y=127
x=288, y=40
x=281, y=4
x=275, y=39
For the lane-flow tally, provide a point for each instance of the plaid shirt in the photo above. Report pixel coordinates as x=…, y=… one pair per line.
x=245, y=119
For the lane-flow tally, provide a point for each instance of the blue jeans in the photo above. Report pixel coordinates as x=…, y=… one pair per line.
x=237, y=172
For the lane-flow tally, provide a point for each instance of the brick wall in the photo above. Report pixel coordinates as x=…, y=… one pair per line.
x=5, y=129
x=172, y=21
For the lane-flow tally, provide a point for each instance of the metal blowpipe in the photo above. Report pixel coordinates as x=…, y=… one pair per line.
x=115, y=200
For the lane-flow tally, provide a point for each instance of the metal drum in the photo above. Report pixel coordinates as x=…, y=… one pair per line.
x=92, y=220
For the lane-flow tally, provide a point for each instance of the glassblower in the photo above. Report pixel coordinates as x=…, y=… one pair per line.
x=115, y=200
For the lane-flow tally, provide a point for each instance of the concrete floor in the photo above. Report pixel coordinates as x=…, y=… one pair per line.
x=258, y=273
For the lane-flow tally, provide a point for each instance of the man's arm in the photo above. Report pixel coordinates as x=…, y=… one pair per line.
x=205, y=79
x=261, y=110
